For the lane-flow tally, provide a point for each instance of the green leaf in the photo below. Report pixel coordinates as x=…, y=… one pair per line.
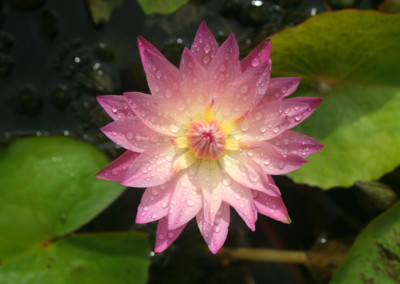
x=375, y=255
x=390, y=6
x=48, y=189
x=351, y=59
x=161, y=6
x=84, y=259
x=102, y=9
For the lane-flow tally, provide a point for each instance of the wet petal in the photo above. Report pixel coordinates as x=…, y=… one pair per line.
x=117, y=169
x=130, y=133
x=194, y=85
x=154, y=203
x=154, y=114
x=225, y=65
x=216, y=235
x=204, y=46
x=208, y=178
x=153, y=167
x=291, y=142
x=281, y=87
x=116, y=106
x=240, y=198
x=267, y=121
x=271, y=206
x=185, y=202
x=257, y=56
x=160, y=73
x=274, y=162
x=165, y=237
x=243, y=94
x=246, y=172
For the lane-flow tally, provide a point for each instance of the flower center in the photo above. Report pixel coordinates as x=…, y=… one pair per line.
x=206, y=139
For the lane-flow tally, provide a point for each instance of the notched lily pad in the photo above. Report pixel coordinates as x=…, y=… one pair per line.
x=48, y=189
x=350, y=59
x=375, y=255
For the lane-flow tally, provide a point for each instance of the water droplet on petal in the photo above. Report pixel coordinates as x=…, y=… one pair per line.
x=207, y=48
x=190, y=203
x=217, y=229
x=170, y=235
x=114, y=110
x=276, y=129
x=222, y=68
x=206, y=59
x=158, y=74
x=154, y=192
x=244, y=89
x=281, y=165
x=164, y=205
x=173, y=128
x=263, y=128
x=160, y=237
x=298, y=118
x=129, y=135
x=168, y=94
x=154, y=216
x=258, y=116
x=255, y=62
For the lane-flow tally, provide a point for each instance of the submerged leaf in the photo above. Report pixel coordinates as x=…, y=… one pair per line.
x=161, y=6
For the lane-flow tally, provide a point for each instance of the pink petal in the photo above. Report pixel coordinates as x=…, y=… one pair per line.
x=117, y=169
x=281, y=87
x=225, y=65
x=240, y=198
x=216, y=235
x=246, y=172
x=268, y=120
x=153, y=167
x=204, y=46
x=271, y=206
x=154, y=114
x=194, y=84
x=130, y=133
x=160, y=73
x=115, y=106
x=274, y=162
x=208, y=178
x=257, y=56
x=185, y=202
x=154, y=204
x=165, y=237
x=243, y=94
x=291, y=142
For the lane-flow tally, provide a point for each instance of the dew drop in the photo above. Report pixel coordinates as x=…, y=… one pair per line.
x=164, y=205
x=207, y=48
x=158, y=74
x=206, y=59
x=114, y=172
x=298, y=118
x=173, y=128
x=129, y=135
x=263, y=128
x=281, y=165
x=258, y=116
x=222, y=68
x=170, y=235
x=168, y=94
x=244, y=89
x=286, y=141
x=138, y=137
x=237, y=196
x=217, y=229
x=154, y=216
x=267, y=162
x=114, y=110
x=154, y=192
x=284, y=90
x=190, y=203
x=276, y=129
x=255, y=62
x=160, y=236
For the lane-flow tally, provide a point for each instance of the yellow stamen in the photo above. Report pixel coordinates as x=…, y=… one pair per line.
x=232, y=145
x=184, y=161
x=209, y=113
x=181, y=142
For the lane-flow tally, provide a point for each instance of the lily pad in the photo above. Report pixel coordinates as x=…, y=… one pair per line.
x=375, y=255
x=161, y=6
x=48, y=189
x=84, y=259
x=102, y=9
x=350, y=59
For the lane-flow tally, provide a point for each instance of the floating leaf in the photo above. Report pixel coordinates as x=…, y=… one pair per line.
x=375, y=255
x=161, y=6
x=84, y=259
x=102, y=9
x=350, y=59
x=48, y=189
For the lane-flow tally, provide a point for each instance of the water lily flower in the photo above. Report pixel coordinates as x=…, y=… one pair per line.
x=209, y=137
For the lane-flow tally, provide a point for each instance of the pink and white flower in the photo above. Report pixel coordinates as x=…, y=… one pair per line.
x=209, y=137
